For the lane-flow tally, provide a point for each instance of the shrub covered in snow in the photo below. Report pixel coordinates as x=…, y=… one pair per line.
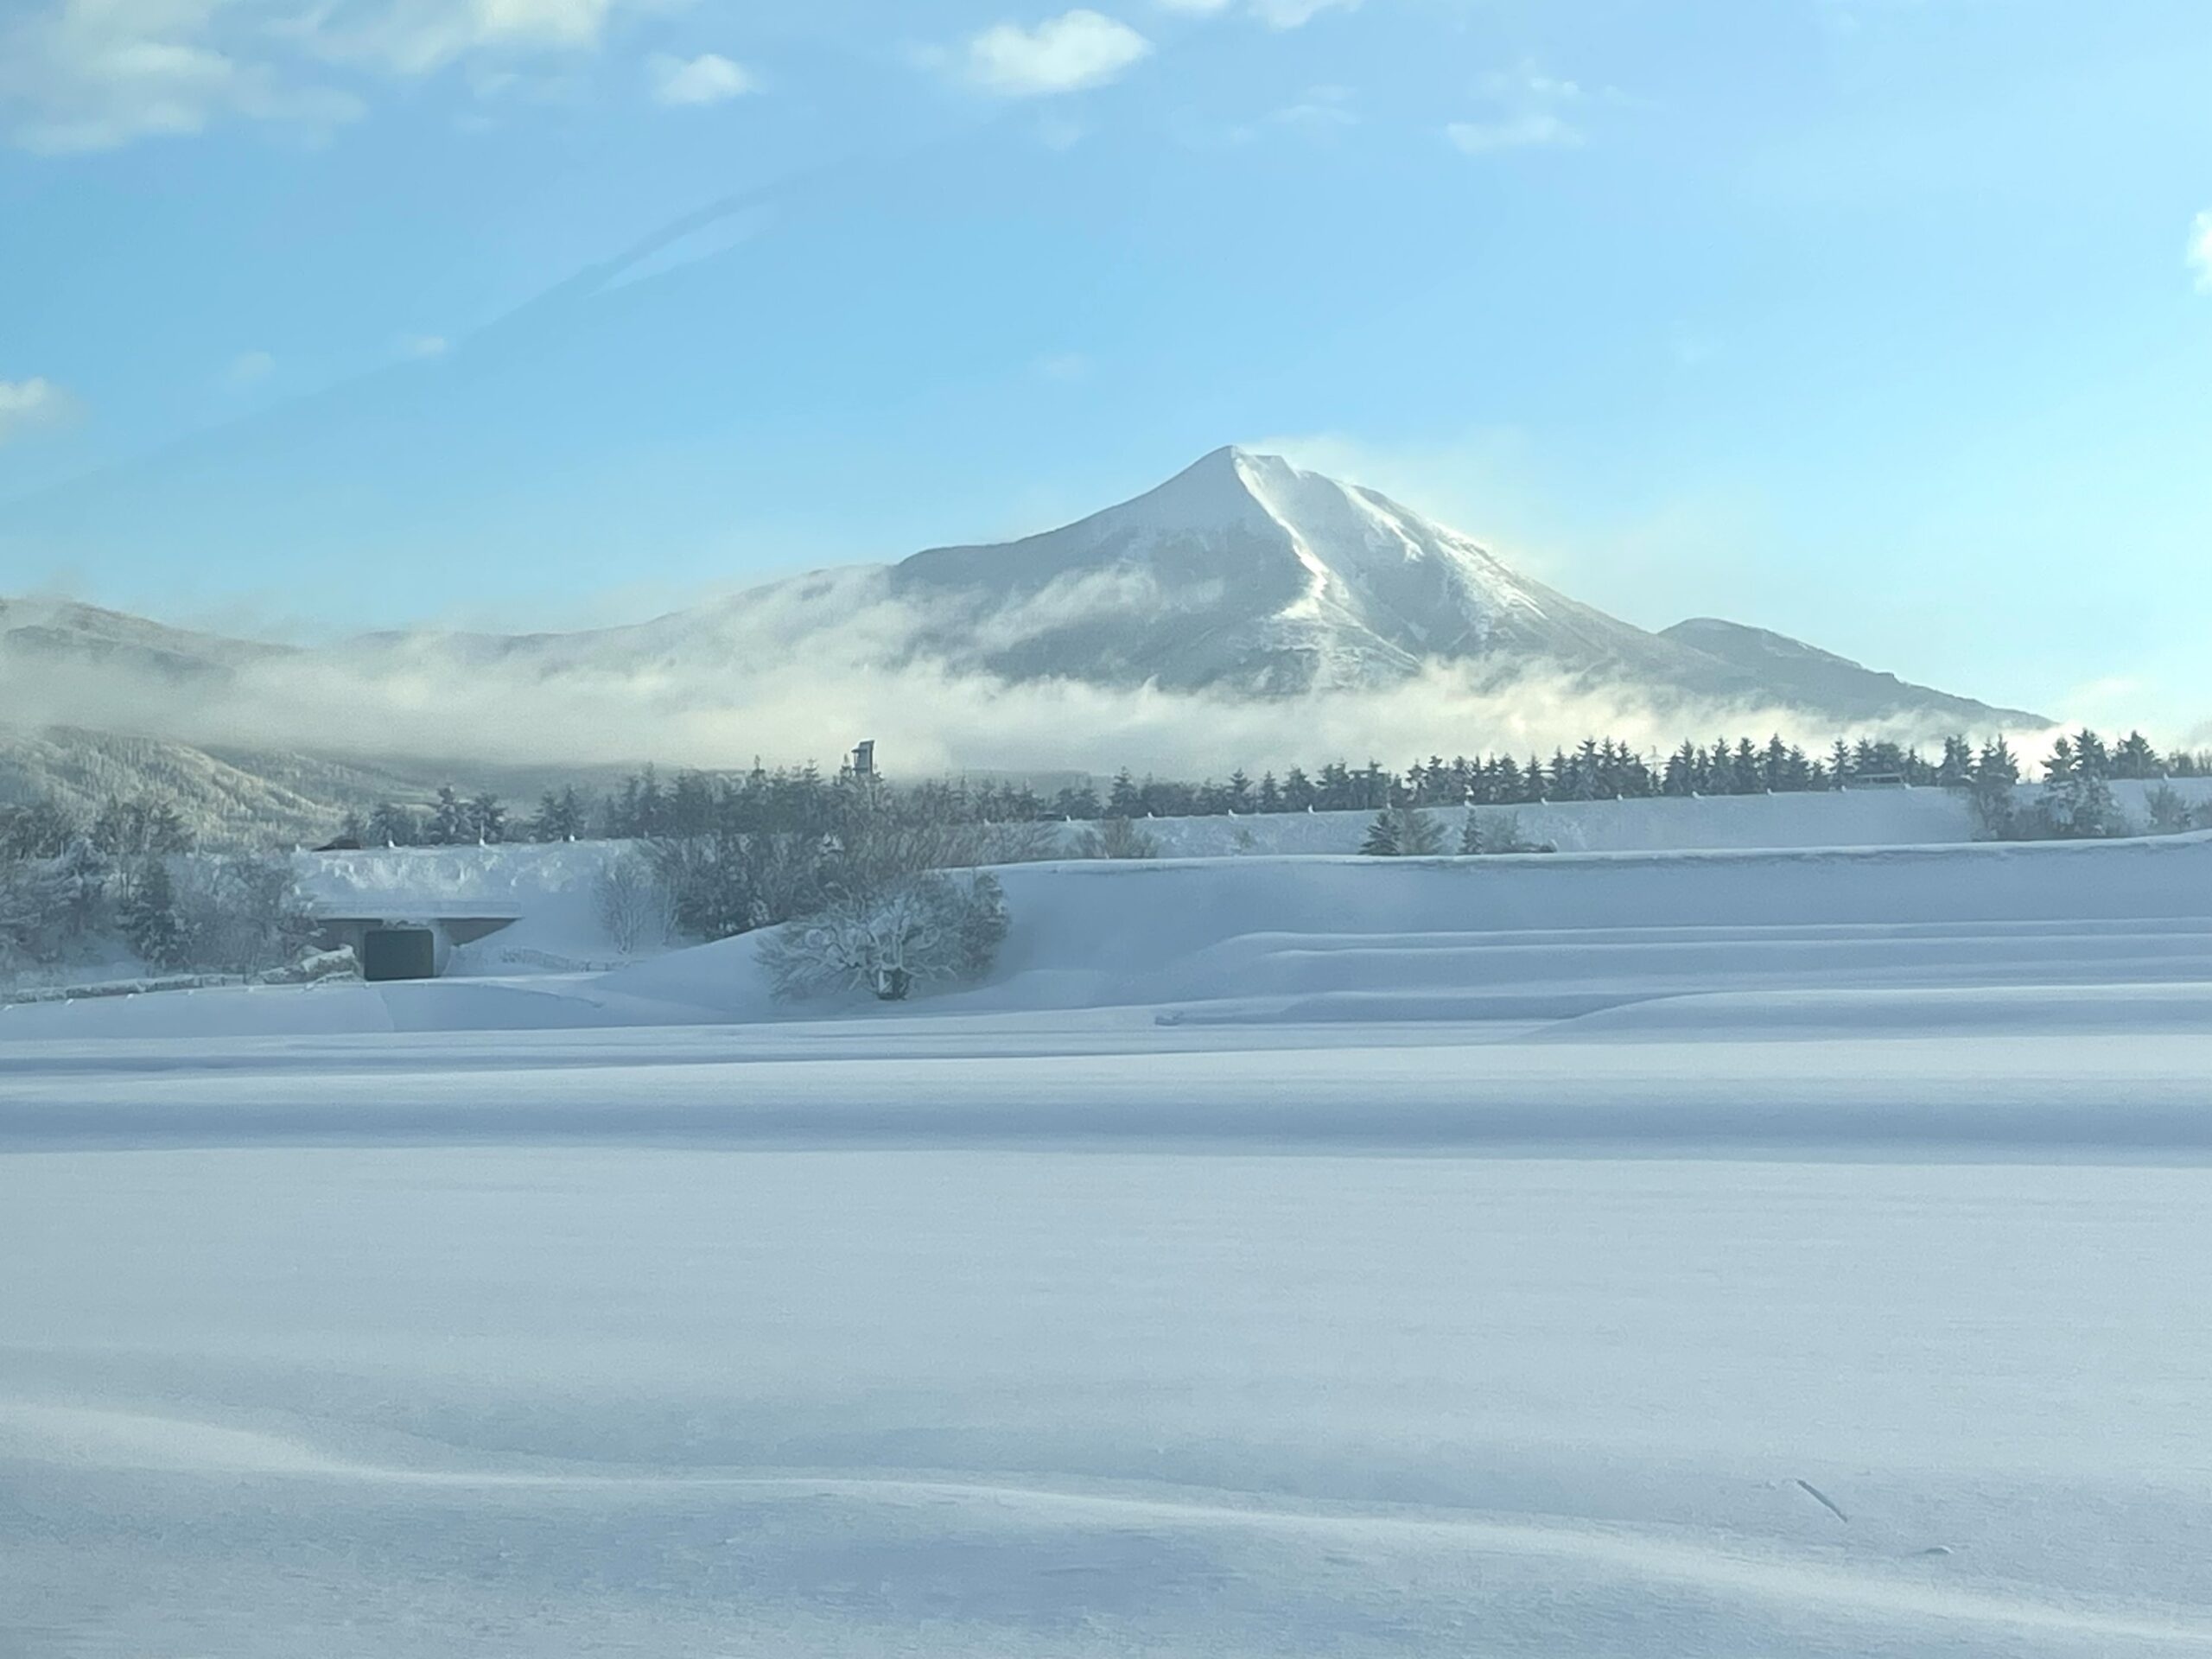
x=916, y=931
x=1115, y=838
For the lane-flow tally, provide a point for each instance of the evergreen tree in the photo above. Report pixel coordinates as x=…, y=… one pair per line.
x=1957, y=767
x=1774, y=764
x=1419, y=836
x=1382, y=837
x=1744, y=777
x=148, y=916
x=1996, y=769
x=450, y=825
x=2091, y=758
x=392, y=825
x=487, y=819
x=2133, y=756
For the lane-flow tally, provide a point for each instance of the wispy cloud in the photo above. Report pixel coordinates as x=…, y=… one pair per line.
x=414, y=37
x=1061, y=54
x=1319, y=112
x=2200, y=250
x=1062, y=367
x=709, y=77
x=26, y=405
x=248, y=369
x=1528, y=110
x=1538, y=130
x=423, y=346
x=1296, y=14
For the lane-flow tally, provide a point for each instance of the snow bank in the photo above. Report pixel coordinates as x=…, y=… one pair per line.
x=1852, y=817
x=549, y=888
x=1546, y=936
x=1317, y=939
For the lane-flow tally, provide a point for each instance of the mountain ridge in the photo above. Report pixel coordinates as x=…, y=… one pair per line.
x=1241, y=575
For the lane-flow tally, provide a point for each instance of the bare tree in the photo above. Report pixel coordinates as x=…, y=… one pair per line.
x=632, y=903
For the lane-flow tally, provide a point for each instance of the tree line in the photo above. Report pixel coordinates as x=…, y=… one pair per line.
x=688, y=804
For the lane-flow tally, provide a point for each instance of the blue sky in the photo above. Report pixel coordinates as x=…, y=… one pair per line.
x=1887, y=323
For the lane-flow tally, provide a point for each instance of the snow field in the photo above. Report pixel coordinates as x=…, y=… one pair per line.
x=1735, y=1253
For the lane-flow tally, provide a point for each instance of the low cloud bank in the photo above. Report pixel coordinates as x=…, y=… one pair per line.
x=441, y=698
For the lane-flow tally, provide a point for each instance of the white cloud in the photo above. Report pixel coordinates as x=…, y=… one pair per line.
x=1295, y=14
x=26, y=405
x=423, y=346
x=413, y=37
x=93, y=75
x=1061, y=54
x=249, y=368
x=2200, y=250
x=80, y=75
x=1202, y=8
x=1537, y=129
x=709, y=77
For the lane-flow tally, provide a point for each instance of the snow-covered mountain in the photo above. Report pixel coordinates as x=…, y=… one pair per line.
x=1242, y=575
x=1247, y=576
x=67, y=634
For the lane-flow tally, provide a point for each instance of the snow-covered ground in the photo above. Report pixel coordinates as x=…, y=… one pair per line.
x=1853, y=817
x=1726, y=1254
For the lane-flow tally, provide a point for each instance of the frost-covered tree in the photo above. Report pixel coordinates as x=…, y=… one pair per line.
x=36, y=829
x=138, y=826
x=2078, y=805
x=922, y=930
x=242, y=914
x=632, y=903
x=2168, y=812
x=148, y=916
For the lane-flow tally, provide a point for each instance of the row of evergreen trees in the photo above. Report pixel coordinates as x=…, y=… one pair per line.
x=691, y=803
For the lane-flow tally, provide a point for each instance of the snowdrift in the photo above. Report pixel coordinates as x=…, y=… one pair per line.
x=1544, y=937
x=1333, y=939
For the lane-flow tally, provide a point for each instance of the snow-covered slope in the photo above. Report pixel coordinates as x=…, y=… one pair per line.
x=1806, y=677
x=33, y=631
x=1246, y=572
